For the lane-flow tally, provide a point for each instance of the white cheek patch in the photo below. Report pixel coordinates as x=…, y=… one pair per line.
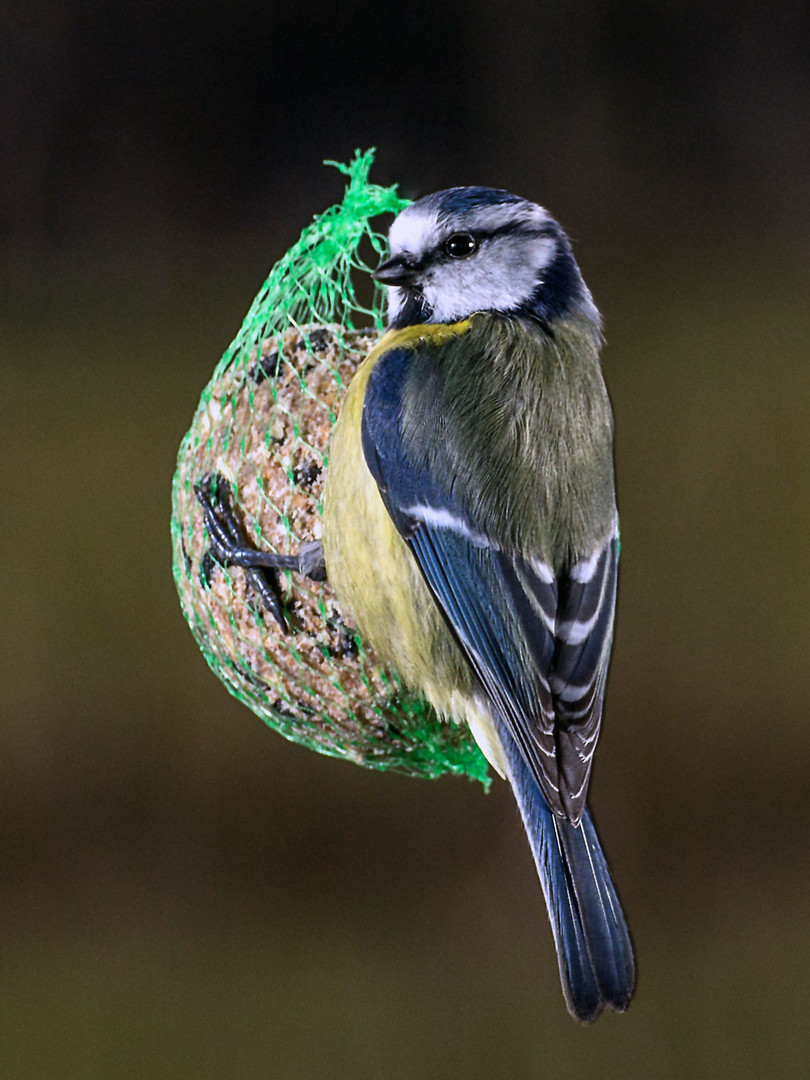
x=500, y=277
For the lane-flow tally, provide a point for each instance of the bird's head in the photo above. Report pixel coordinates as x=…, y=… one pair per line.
x=471, y=249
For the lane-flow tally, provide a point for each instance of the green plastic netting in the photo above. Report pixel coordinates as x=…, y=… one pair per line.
x=258, y=449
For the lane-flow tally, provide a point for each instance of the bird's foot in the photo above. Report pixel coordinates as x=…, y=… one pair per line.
x=229, y=546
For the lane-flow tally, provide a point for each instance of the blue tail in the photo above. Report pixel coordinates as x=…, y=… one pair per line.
x=594, y=950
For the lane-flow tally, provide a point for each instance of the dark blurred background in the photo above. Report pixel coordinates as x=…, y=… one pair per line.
x=185, y=894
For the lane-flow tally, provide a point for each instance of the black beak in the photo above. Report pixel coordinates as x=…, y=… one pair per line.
x=397, y=271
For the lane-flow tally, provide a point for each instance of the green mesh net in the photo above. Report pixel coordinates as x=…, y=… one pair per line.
x=257, y=452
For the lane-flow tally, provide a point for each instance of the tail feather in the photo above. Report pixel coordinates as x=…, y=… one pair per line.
x=595, y=954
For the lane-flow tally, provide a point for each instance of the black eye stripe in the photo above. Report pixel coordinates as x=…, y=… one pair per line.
x=523, y=231
x=481, y=236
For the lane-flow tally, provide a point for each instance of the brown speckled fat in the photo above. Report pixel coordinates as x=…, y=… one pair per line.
x=263, y=426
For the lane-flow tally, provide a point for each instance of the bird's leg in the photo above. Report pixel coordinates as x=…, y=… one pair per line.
x=229, y=546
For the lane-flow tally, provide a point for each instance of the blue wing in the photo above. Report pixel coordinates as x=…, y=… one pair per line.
x=539, y=644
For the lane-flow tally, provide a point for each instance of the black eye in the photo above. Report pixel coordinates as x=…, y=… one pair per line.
x=460, y=245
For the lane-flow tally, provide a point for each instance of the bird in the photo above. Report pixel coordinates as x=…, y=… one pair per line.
x=470, y=529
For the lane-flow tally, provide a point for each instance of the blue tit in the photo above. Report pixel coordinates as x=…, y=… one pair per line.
x=470, y=529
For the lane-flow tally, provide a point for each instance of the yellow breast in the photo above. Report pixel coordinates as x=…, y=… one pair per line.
x=375, y=577
x=377, y=580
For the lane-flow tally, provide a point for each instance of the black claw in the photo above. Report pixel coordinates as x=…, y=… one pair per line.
x=229, y=546
x=207, y=564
